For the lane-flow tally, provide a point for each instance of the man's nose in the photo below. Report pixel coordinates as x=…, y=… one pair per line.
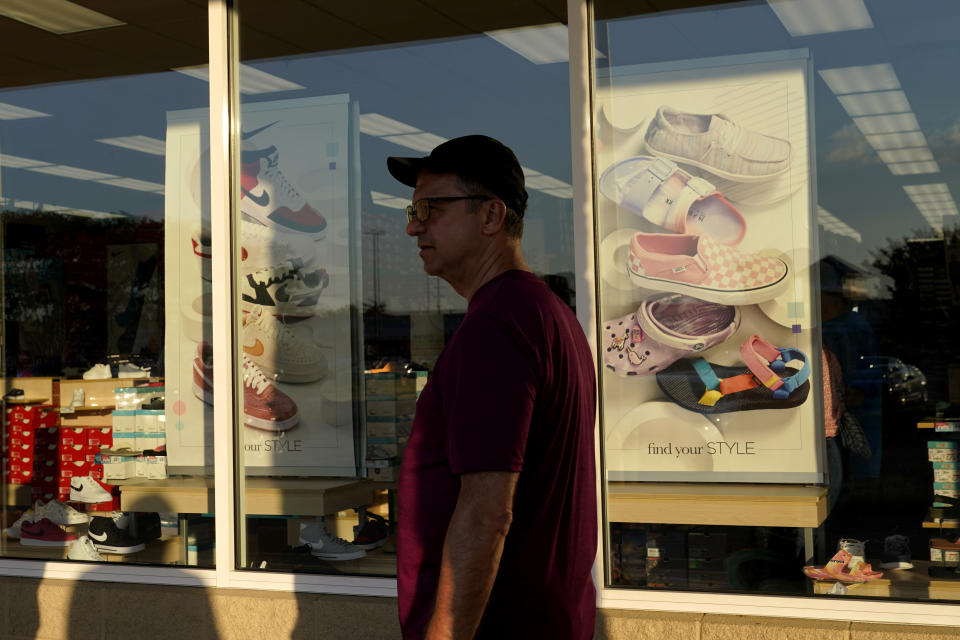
x=415, y=227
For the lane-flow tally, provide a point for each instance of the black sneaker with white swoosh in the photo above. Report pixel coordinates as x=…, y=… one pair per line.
x=109, y=537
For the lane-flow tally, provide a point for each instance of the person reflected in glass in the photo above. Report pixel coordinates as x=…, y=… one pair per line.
x=497, y=528
x=851, y=339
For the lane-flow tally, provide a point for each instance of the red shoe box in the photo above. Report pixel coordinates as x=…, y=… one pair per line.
x=21, y=477
x=74, y=469
x=101, y=438
x=73, y=436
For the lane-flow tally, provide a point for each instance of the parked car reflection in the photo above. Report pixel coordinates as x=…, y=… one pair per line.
x=903, y=383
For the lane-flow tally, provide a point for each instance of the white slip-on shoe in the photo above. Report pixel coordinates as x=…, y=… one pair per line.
x=715, y=143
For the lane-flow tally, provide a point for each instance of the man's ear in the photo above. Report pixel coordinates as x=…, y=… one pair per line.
x=494, y=214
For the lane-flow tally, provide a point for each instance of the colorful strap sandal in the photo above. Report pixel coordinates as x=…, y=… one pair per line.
x=666, y=195
x=773, y=378
x=665, y=328
x=843, y=567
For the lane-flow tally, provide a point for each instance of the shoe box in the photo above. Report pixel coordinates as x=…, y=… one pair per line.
x=659, y=556
x=628, y=551
x=706, y=560
x=391, y=400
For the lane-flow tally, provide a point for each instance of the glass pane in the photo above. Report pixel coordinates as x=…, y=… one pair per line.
x=102, y=185
x=340, y=322
x=777, y=245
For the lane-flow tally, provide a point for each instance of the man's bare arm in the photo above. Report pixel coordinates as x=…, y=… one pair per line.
x=471, y=553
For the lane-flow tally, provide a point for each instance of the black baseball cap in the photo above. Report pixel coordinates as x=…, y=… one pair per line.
x=477, y=157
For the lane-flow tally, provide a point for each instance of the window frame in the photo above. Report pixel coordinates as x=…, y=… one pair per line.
x=224, y=128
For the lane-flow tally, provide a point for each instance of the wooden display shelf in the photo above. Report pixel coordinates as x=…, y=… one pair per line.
x=933, y=524
x=264, y=496
x=743, y=505
x=35, y=390
x=903, y=584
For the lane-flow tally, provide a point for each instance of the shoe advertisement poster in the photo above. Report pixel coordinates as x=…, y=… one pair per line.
x=710, y=355
x=295, y=289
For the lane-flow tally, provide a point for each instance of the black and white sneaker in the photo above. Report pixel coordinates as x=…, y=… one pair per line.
x=109, y=535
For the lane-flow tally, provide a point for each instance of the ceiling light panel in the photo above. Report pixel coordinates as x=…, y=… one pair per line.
x=912, y=168
x=927, y=189
x=72, y=172
x=133, y=183
x=813, y=17
x=917, y=154
x=56, y=16
x=252, y=81
x=137, y=143
x=835, y=225
x=874, y=77
x=875, y=102
x=374, y=124
x=901, y=140
x=13, y=112
x=891, y=123
x=16, y=162
x=387, y=200
x=540, y=45
x=424, y=142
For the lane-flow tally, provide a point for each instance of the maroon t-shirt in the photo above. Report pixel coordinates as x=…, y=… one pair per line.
x=513, y=390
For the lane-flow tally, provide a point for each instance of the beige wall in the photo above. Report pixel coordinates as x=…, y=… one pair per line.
x=61, y=610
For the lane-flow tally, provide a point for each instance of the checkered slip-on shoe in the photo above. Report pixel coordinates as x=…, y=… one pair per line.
x=700, y=267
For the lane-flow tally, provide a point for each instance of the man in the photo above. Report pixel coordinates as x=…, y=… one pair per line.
x=497, y=491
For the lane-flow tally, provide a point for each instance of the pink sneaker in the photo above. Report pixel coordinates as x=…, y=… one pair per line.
x=700, y=267
x=264, y=406
x=44, y=533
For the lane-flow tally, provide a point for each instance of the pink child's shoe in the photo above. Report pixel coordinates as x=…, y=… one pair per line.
x=700, y=267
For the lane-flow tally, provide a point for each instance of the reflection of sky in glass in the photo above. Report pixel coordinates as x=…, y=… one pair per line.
x=916, y=41
x=98, y=147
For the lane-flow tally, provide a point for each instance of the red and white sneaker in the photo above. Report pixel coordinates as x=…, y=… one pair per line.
x=267, y=196
x=264, y=406
x=44, y=533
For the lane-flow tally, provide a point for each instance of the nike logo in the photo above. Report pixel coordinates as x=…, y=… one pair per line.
x=249, y=134
x=75, y=487
x=196, y=249
x=262, y=200
x=255, y=350
x=99, y=537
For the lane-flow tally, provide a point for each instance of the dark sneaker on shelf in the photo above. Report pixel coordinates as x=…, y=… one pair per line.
x=110, y=535
x=373, y=534
x=896, y=553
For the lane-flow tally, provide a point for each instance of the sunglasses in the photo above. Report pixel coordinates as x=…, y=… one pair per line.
x=420, y=210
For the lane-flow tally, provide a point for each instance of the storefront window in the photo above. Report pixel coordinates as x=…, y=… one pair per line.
x=340, y=325
x=97, y=199
x=777, y=239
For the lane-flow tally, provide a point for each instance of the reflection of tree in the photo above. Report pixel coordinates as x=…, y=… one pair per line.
x=924, y=302
x=56, y=287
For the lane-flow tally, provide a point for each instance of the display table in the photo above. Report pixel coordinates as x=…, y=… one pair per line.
x=264, y=496
x=742, y=505
x=903, y=584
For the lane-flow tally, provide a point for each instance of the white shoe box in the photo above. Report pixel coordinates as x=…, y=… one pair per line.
x=151, y=440
x=150, y=421
x=124, y=422
x=118, y=467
